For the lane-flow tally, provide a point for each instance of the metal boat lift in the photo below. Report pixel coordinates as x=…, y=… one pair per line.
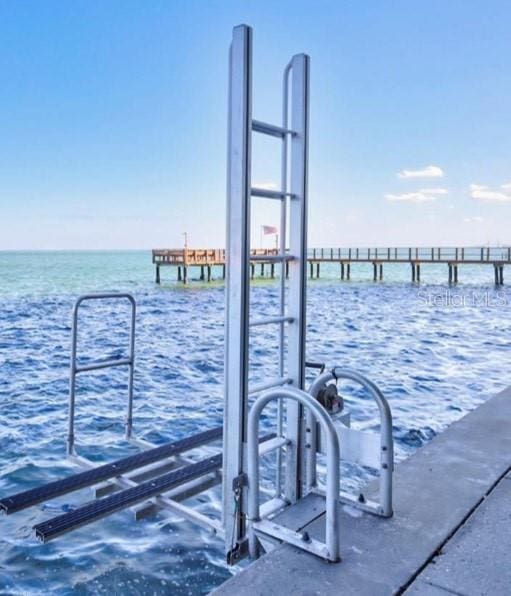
x=309, y=421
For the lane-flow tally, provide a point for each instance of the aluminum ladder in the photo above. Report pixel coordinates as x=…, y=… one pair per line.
x=290, y=319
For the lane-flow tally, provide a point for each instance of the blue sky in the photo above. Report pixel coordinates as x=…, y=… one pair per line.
x=113, y=120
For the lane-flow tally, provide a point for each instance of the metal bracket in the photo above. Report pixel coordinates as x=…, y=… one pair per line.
x=238, y=482
x=238, y=552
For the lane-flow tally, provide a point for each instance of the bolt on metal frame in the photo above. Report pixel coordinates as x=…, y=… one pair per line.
x=293, y=134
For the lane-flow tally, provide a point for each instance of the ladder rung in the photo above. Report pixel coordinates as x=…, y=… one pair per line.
x=271, y=321
x=270, y=194
x=105, y=364
x=272, y=258
x=271, y=129
x=272, y=445
x=270, y=384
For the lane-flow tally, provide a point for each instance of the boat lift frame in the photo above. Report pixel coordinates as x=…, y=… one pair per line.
x=161, y=477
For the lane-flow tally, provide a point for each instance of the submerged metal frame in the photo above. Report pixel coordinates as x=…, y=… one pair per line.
x=293, y=134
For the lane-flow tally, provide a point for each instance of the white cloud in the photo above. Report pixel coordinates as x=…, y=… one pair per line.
x=485, y=194
x=427, y=172
x=410, y=197
x=476, y=219
x=424, y=195
x=434, y=191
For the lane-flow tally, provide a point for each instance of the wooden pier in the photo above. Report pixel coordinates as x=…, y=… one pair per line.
x=265, y=258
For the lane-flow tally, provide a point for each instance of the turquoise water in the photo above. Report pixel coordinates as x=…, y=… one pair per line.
x=436, y=353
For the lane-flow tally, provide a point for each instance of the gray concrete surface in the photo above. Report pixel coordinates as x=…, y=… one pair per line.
x=477, y=559
x=435, y=491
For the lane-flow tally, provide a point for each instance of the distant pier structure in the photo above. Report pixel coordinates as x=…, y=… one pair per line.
x=263, y=260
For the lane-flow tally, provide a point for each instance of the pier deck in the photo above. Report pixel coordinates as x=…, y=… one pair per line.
x=450, y=533
x=265, y=258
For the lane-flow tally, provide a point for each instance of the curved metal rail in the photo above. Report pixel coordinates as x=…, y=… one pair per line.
x=329, y=550
x=386, y=447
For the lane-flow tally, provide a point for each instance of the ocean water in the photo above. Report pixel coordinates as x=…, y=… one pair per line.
x=436, y=352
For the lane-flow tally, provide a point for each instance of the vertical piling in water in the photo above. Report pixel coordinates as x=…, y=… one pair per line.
x=157, y=274
x=179, y=277
x=312, y=269
x=209, y=273
x=185, y=275
x=223, y=271
x=262, y=269
x=342, y=270
x=450, y=273
x=272, y=270
x=418, y=274
x=252, y=270
x=456, y=274
x=317, y=270
x=381, y=271
x=413, y=272
x=202, y=272
x=348, y=271
x=502, y=275
x=375, y=272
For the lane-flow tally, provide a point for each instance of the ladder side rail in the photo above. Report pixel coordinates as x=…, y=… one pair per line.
x=237, y=282
x=297, y=267
x=282, y=284
x=75, y=369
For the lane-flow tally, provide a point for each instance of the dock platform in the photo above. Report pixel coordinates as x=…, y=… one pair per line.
x=263, y=260
x=450, y=534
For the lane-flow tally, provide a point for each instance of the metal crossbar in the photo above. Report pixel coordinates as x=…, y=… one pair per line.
x=270, y=129
x=95, y=510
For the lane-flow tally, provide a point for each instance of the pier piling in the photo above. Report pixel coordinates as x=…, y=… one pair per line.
x=157, y=274
x=381, y=271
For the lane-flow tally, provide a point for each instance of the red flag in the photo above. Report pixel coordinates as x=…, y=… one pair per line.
x=270, y=230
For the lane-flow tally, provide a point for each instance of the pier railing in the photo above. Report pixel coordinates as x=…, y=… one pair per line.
x=216, y=256
x=411, y=254
x=200, y=256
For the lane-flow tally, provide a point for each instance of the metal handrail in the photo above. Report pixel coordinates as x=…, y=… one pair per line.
x=333, y=473
x=386, y=438
x=75, y=369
